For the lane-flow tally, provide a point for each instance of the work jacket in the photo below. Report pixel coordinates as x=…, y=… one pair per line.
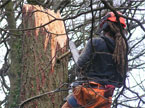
x=96, y=63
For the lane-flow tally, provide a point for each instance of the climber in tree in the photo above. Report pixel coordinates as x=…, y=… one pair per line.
x=102, y=65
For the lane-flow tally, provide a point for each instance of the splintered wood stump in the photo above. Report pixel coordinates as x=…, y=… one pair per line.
x=44, y=40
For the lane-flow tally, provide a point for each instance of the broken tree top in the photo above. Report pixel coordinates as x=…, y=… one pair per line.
x=44, y=22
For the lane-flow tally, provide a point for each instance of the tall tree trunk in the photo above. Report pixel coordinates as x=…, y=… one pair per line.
x=15, y=58
x=41, y=47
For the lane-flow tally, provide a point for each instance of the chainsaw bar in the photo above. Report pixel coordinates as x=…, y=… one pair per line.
x=74, y=51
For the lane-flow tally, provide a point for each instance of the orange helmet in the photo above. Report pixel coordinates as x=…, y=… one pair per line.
x=111, y=17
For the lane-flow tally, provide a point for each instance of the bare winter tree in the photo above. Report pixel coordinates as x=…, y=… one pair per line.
x=81, y=18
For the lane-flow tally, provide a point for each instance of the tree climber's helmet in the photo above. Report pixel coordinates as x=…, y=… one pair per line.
x=110, y=16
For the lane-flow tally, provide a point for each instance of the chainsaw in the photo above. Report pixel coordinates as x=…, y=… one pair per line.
x=74, y=51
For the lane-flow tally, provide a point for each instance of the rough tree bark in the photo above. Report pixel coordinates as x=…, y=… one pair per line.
x=41, y=47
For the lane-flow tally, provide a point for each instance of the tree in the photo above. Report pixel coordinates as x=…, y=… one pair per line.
x=41, y=47
x=81, y=19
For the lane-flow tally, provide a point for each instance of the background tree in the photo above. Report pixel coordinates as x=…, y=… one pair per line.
x=81, y=18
